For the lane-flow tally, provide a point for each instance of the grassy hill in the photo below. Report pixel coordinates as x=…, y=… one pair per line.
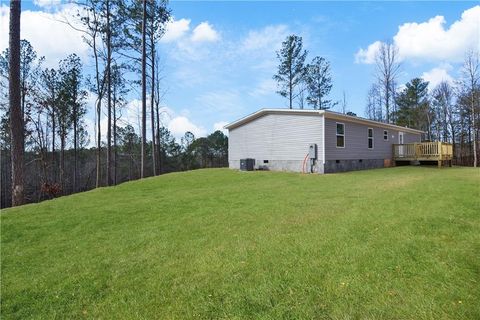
x=400, y=243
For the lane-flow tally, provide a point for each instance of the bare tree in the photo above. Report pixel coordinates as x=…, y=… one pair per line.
x=445, y=113
x=16, y=117
x=49, y=80
x=119, y=90
x=144, y=91
x=302, y=94
x=93, y=26
x=387, y=69
x=344, y=103
x=109, y=93
x=158, y=14
x=152, y=98
x=471, y=73
x=159, y=93
x=373, y=109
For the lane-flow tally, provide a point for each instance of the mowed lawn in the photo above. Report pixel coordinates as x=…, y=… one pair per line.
x=399, y=243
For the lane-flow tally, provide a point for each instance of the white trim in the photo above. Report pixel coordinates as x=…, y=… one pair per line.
x=323, y=139
x=385, y=135
x=344, y=117
x=327, y=113
x=337, y=135
x=400, y=133
x=372, y=137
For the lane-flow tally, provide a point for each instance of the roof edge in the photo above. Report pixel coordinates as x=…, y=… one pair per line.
x=263, y=111
x=327, y=113
x=341, y=116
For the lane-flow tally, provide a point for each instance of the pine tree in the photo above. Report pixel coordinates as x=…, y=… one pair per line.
x=16, y=117
x=291, y=70
x=414, y=106
x=319, y=83
x=73, y=106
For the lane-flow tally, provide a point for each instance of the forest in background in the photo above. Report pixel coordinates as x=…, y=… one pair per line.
x=449, y=112
x=52, y=142
x=43, y=110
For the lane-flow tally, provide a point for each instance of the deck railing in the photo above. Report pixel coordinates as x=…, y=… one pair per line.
x=426, y=151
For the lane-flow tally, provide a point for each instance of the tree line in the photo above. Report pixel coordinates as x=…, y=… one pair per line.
x=44, y=136
x=449, y=112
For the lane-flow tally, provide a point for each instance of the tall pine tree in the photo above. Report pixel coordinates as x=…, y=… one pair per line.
x=291, y=70
x=319, y=83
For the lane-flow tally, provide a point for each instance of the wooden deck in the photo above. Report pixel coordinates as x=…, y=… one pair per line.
x=424, y=151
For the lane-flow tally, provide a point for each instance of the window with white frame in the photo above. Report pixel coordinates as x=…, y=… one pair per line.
x=370, y=138
x=340, y=135
x=385, y=135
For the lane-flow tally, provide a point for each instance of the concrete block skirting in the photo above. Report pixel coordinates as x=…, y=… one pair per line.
x=332, y=166
x=280, y=165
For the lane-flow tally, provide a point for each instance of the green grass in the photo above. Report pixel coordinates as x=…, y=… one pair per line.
x=400, y=243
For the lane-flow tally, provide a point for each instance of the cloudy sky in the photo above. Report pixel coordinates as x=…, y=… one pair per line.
x=219, y=57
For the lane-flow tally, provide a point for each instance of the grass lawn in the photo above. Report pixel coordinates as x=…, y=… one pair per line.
x=400, y=243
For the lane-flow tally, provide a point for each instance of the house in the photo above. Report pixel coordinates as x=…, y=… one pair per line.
x=317, y=141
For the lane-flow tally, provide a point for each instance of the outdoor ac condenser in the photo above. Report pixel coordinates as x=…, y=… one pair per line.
x=247, y=164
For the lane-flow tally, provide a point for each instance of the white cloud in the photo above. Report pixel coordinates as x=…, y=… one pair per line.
x=268, y=38
x=48, y=36
x=265, y=87
x=368, y=55
x=204, y=32
x=259, y=46
x=225, y=101
x=433, y=40
x=437, y=75
x=180, y=124
x=177, y=124
x=176, y=29
x=185, y=44
x=179, y=31
x=47, y=3
x=220, y=126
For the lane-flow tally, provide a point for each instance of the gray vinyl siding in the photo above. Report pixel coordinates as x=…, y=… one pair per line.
x=276, y=137
x=356, y=141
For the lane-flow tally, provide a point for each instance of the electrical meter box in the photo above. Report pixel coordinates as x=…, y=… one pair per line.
x=312, y=151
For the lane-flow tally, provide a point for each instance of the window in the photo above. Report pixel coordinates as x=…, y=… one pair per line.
x=370, y=138
x=340, y=135
x=385, y=135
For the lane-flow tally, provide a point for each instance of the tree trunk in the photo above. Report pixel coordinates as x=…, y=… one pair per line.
x=16, y=116
x=387, y=102
x=290, y=88
x=62, y=160
x=75, y=127
x=152, y=104
x=474, y=136
x=109, y=99
x=144, y=92
x=99, y=137
x=114, y=135
x=159, y=147
x=54, y=171
x=98, y=107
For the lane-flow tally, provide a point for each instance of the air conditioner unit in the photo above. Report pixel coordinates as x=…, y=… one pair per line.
x=247, y=164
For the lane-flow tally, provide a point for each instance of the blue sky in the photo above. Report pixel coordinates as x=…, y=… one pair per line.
x=219, y=57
